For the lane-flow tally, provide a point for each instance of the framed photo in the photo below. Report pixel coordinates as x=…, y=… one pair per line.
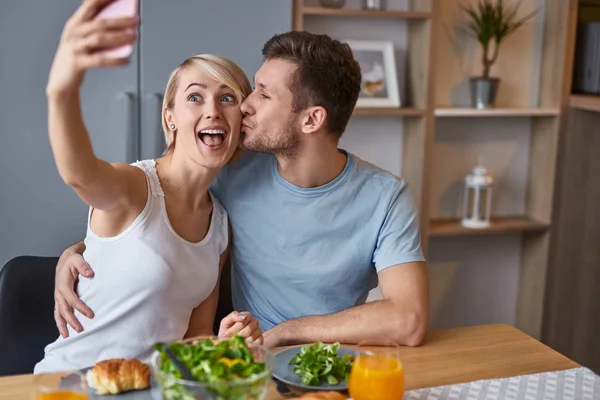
x=378, y=68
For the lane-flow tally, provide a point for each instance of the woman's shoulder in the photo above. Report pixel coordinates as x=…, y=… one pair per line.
x=221, y=223
x=149, y=169
x=144, y=165
x=137, y=168
x=218, y=210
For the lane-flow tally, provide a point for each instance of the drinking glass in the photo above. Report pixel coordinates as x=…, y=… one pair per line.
x=62, y=386
x=377, y=373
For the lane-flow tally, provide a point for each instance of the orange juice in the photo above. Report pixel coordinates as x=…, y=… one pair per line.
x=376, y=377
x=61, y=395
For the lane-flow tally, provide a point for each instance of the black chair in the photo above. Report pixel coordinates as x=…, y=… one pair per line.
x=26, y=312
x=225, y=305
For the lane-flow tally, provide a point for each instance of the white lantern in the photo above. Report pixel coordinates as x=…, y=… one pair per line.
x=477, y=201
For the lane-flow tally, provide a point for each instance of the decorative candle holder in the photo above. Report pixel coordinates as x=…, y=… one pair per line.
x=373, y=4
x=477, y=201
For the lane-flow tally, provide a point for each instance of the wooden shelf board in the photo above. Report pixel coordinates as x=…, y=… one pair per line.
x=495, y=112
x=390, y=112
x=349, y=12
x=452, y=227
x=585, y=102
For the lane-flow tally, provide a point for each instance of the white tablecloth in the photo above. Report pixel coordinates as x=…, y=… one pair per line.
x=571, y=384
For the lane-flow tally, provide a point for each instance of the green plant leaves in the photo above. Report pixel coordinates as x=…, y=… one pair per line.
x=481, y=22
x=491, y=22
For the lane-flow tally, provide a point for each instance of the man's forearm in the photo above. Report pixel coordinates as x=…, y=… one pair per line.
x=379, y=322
x=77, y=248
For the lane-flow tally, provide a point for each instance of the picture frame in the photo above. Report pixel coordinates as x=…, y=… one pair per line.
x=379, y=86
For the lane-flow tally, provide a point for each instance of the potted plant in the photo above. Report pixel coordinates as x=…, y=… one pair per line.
x=490, y=23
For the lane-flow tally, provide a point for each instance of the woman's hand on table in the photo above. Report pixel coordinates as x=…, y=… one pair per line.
x=243, y=324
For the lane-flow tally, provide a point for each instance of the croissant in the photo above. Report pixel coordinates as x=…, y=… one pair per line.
x=118, y=375
x=325, y=395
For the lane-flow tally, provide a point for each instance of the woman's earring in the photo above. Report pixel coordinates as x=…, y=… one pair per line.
x=172, y=126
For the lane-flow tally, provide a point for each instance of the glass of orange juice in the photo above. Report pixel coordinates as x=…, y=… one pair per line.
x=61, y=386
x=377, y=373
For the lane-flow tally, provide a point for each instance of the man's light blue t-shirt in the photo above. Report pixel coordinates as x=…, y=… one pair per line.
x=313, y=251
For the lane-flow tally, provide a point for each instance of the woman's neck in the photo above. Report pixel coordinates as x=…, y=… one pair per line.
x=185, y=179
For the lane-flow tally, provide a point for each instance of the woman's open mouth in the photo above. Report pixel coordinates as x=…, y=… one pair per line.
x=212, y=137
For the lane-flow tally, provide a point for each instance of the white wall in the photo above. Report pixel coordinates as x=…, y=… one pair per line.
x=473, y=280
x=503, y=146
x=377, y=140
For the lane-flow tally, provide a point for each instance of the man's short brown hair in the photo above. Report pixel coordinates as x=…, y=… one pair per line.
x=327, y=74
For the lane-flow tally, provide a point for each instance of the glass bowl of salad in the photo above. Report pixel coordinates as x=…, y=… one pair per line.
x=224, y=369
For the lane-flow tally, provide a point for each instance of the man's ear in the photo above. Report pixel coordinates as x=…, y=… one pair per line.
x=314, y=119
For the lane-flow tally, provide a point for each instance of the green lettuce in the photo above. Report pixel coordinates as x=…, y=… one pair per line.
x=319, y=363
x=223, y=367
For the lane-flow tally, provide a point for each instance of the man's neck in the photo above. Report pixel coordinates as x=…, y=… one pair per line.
x=312, y=167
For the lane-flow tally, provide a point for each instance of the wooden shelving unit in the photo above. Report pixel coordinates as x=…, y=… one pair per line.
x=388, y=112
x=545, y=121
x=495, y=112
x=571, y=324
x=433, y=79
x=585, y=102
x=348, y=12
x=453, y=227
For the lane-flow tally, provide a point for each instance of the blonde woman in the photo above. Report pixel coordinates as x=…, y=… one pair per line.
x=156, y=235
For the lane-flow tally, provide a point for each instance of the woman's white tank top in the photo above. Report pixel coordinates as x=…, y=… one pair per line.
x=147, y=280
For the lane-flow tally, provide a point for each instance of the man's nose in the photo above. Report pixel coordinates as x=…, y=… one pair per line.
x=246, y=106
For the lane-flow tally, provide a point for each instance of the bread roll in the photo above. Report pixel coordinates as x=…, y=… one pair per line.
x=118, y=375
x=322, y=396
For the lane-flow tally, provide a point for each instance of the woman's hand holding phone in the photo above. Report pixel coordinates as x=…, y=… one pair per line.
x=101, y=33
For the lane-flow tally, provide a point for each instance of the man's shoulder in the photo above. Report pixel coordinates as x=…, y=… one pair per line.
x=237, y=172
x=247, y=159
x=376, y=177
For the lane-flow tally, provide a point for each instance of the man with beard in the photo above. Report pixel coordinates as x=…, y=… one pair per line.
x=314, y=227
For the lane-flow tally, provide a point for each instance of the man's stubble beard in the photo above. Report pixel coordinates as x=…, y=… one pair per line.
x=285, y=143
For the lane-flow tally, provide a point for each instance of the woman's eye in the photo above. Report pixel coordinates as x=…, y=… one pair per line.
x=263, y=96
x=228, y=98
x=194, y=97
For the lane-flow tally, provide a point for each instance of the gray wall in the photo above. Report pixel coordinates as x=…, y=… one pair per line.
x=39, y=214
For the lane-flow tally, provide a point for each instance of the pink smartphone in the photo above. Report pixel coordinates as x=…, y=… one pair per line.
x=119, y=9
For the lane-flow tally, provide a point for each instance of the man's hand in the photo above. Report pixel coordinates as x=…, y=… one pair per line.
x=69, y=266
x=242, y=324
x=274, y=337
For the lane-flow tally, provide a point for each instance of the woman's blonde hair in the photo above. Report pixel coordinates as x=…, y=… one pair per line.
x=219, y=68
